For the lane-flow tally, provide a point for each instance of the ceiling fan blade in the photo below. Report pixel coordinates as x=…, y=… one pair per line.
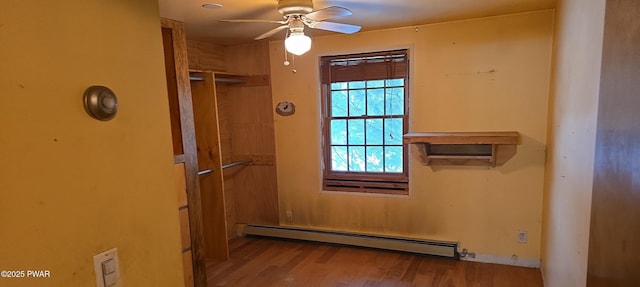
x=253, y=21
x=271, y=32
x=328, y=13
x=335, y=27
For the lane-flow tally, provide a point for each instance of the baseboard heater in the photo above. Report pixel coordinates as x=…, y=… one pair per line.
x=427, y=247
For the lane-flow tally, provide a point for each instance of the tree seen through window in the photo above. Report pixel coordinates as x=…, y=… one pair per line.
x=365, y=134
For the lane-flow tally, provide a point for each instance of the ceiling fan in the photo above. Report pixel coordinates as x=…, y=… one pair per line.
x=298, y=14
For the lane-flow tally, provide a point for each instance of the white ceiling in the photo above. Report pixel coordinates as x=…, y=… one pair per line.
x=202, y=24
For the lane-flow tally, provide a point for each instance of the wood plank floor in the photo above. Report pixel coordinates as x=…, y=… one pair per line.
x=270, y=262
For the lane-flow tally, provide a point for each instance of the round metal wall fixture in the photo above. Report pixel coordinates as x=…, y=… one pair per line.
x=100, y=103
x=285, y=108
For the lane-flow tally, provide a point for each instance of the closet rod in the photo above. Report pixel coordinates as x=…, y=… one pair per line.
x=236, y=163
x=205, y=171
x=219, y=79
x=230, y=80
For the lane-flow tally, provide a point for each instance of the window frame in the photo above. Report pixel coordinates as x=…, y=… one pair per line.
x=364, y=182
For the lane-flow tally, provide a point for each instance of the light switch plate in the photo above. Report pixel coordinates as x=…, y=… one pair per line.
x=522, y=236
x=112, y=279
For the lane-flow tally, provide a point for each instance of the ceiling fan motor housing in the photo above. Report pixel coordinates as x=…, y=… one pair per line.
x=295, y=7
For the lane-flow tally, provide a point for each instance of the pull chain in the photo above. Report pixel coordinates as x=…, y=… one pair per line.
x=286, y=54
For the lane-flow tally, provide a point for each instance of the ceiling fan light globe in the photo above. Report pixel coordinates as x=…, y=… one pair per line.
x=297, y=43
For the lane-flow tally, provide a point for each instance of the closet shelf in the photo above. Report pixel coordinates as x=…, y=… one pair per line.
x=179, y=158
x=231, y=79
x=464, y=148
x=220, y=77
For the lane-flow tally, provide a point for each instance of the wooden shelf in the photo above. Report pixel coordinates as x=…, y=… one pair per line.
x=464, y=148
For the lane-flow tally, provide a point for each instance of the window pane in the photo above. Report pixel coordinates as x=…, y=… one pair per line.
x=375, y=159
x=375, y=102
x=395, y=83
x=395, y=101
x=339, y=86
x=375, y=84
x=374, y=131
x=393, y=159
x=356, y=158
x=338, y=132
x=356, y=132
x=339, y=158
x=356, y=85
x=393, y=131
x=356, y=103
x=339, y=106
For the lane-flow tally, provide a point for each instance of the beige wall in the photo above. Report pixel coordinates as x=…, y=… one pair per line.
x=573, y=109
x=487, y=74
x=73, y=186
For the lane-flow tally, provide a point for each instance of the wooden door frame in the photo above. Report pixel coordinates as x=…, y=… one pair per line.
x=613, y=230
x=190, y=157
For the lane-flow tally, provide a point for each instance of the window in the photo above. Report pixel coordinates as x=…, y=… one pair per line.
x=365, y=114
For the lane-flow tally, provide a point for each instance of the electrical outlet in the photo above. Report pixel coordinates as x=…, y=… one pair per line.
x=522, y=236
x=289, y=216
